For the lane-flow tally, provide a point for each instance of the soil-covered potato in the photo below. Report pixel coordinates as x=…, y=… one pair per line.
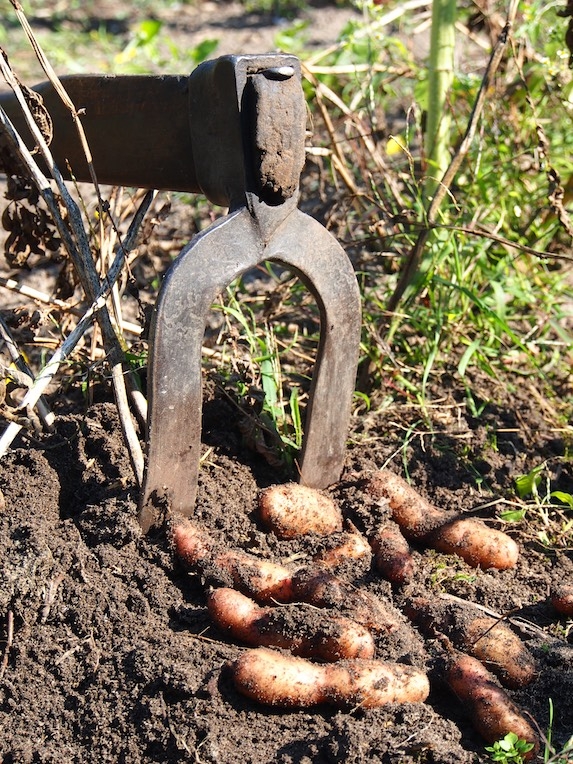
x=276, y=679
x=293, y=510
x=491, y=710
x=301, y=629
x=489, y=639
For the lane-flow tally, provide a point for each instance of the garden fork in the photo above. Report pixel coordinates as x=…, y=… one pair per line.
x=234, y=130
x=248, y=149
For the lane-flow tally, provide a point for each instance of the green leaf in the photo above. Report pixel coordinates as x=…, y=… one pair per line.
x=513, y=515
x=525, y=485
x=466, y=357
x=148, y=31
x=563, y=497
x=203, y=50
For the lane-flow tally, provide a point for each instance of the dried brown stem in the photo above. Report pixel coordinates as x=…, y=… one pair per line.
x=78, y=249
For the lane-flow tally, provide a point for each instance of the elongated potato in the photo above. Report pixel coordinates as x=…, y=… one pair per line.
x=482, y=636
x=293, y=627
x=293, y=510
x=492, y=712
x=476, y=543
x=392, y=556
x=420, y=521
x=321, y=588
x=275, y=679
x=351, y=547
x=562, y=599
x=263, y=580
x=414, y=514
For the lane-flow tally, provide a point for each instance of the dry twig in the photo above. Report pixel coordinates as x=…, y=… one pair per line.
x=76, y=240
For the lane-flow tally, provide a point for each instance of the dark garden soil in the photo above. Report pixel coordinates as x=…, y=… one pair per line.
x=113, y=657
x=107, y=652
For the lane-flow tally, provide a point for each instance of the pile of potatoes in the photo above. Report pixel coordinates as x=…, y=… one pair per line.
x=297, y=660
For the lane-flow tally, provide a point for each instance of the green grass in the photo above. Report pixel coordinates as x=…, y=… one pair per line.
x=494, y=289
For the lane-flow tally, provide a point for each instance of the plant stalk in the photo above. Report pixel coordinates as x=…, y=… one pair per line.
x=440, y=78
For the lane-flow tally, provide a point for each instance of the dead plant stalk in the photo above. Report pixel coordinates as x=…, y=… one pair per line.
x=77, y=245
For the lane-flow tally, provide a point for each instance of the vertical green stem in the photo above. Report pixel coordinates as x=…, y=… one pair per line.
x=440, y=77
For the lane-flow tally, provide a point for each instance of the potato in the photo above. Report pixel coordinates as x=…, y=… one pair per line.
x=293, y=510
x=492, y=712
x=420, y=521
x=321, y=588
x=414, y=514
x=562, y=599
x=392, y=556
x=275, y=679
x=351, y=546
x=495, y=644
x=294, y=627
x=482, y=636
x=476, y=543
x=372, y=683
x=263, y=580
x=192, y=545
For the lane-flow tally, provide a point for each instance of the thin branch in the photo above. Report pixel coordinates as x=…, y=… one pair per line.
x=65, y=349
x=19, y=361
x=62, y=93
x=79, y=251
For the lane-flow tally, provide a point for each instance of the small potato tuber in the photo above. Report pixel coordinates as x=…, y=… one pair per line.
x=302, y=630
x=492, y=712
x=475, y=543
x=276, y=679
x=293, y=510
x=414, y=514
x=392, y=556
x=562, y=599
x=482, y=636
x=420, y=521
x=263, y=580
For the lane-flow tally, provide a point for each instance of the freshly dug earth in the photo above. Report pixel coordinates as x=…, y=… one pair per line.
x=113, y=657
x=107, y=653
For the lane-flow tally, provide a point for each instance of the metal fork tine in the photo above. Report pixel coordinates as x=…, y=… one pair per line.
x=204, y=268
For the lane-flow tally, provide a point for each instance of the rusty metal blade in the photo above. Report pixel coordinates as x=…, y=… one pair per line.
x=137, y=128
x=211, y=261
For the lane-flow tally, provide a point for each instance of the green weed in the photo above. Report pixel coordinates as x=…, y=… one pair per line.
x=509, y=750
x=547, y=511
x=492, y=290
x=550, y=755
x=269, y=401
